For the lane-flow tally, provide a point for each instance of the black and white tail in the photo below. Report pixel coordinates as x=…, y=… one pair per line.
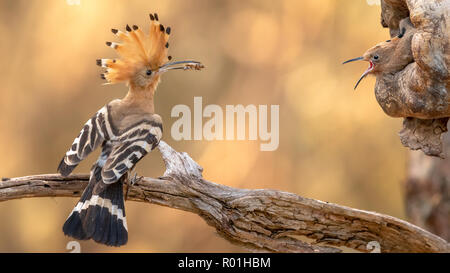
x=99, y=216
x=100, y=213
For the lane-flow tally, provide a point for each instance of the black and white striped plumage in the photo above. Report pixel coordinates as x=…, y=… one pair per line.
x=100, y=213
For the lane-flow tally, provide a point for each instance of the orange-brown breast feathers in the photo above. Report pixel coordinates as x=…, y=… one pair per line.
x=137, y=50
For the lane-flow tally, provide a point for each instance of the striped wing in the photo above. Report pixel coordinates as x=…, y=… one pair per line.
x=129, y=148
x=94, y=132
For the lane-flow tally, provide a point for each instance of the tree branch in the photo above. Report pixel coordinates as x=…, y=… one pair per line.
x=419, y=93
x=259, y=220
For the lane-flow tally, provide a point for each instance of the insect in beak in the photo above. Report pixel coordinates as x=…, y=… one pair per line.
x=369, y=69
x=184, y=65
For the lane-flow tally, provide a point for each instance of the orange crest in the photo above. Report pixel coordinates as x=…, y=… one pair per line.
x=137, y=50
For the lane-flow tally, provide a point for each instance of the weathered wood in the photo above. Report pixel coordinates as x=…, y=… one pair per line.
x=259, y=220
x=419, y=91
x=424, y=134
x=427, y=192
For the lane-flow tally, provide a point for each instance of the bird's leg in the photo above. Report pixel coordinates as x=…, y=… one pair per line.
x=131, y=180
x=128, y=182
x=135, y=179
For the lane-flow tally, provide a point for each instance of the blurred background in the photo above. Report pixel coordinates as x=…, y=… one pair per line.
x=336, y=144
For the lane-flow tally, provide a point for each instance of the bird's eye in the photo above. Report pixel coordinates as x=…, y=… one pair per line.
x=375, y=57
x=149, y=72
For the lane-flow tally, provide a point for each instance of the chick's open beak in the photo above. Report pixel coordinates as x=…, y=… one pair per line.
x=365, y=72
x=184, y=65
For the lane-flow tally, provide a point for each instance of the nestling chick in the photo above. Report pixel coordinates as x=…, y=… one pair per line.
x=390, y=56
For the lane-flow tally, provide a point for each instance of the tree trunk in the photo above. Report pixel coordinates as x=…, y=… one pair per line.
x=420, y=93
x=427, y=192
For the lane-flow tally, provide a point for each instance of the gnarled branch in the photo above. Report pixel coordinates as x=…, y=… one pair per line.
x=260, y=220
x=419, y=92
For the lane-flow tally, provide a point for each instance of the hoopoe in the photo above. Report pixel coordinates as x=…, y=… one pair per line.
x=391, y=56
x=126, y=129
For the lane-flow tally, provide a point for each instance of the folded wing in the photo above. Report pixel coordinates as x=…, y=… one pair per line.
x=94, y=132
x=129, y=148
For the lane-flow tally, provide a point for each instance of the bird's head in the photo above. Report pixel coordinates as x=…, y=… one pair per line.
x=379, y=57
x=144, y=57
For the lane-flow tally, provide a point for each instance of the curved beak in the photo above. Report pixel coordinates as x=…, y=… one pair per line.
x=365, y=72
x=354, y=59
x=184, y=65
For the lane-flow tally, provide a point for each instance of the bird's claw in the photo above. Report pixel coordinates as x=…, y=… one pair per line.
x=135, y=179
x=131, y=182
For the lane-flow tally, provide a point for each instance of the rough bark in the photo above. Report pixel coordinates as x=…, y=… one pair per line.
x=420, y=91
x=424, y=134
x=259, y=220
x=427, y=192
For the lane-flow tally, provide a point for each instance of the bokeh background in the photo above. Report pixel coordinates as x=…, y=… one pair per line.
x=336, y=144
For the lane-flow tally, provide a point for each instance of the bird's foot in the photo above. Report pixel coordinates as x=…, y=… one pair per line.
x=131, y=182
x=135, y=179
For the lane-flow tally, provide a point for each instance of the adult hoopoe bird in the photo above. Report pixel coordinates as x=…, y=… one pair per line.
x=391, y=56
x=126, y=129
